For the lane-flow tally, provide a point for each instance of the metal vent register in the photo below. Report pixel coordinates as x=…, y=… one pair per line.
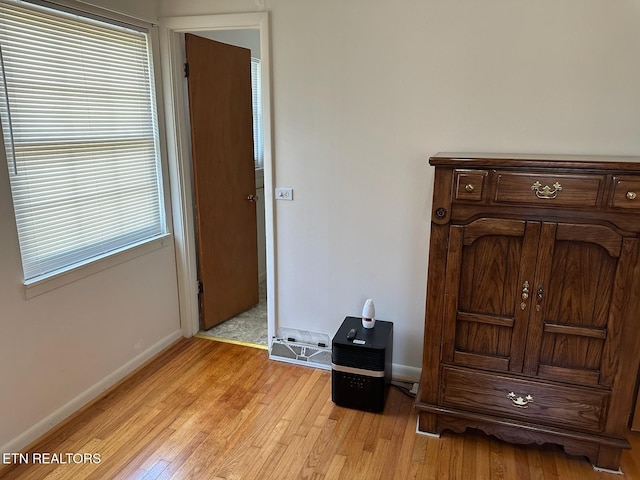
x=302, y=347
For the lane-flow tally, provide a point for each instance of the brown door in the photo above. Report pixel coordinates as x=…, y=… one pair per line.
x=219, y=84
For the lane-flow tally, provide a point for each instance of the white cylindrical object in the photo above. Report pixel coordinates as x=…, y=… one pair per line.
x=368, y=314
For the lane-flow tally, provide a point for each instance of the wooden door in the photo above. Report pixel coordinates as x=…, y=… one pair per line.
x=635, y=426
x=577, y=315
x=487, y=301
x=219, y=84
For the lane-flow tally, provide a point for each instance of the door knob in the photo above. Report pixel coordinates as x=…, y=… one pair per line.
x=252, y=198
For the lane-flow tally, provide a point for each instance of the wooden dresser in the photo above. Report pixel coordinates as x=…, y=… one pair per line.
x=532, y=324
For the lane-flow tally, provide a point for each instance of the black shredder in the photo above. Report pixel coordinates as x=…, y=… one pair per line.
x=361, y=366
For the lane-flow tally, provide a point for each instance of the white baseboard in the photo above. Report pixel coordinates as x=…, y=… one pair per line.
x=43, y=426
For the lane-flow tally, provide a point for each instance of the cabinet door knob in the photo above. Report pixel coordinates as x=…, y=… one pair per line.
x=631, y=195
x=469, y=187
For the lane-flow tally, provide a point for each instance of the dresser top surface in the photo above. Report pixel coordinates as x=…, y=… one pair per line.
x=518, y=160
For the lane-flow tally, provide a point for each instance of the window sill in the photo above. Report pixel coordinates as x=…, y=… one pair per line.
x=46, y=283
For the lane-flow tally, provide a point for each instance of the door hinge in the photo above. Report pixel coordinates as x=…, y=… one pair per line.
x=200, y=288
x=186, y=69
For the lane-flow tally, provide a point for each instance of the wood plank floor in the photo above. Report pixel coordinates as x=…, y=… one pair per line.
x=210, y=410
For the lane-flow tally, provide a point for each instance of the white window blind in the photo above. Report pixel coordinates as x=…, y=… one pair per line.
x=256, y=100
x=80, y=131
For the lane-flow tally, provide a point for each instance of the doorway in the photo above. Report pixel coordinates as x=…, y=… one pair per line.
x=222, y=77
x=171, y=32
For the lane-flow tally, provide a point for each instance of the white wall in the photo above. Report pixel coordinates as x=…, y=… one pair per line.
x=141, y=9
x=365, y=90
x=60, y=349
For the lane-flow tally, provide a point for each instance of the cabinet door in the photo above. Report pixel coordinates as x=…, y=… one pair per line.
x=488, y=287
x=574, y=325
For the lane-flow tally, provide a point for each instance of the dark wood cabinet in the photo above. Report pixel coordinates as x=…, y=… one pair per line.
x=532, y=324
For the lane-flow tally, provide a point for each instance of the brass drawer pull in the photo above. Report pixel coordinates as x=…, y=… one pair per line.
x=469, y=188
x=520, y=402
x=631, y=195
x=546, y=192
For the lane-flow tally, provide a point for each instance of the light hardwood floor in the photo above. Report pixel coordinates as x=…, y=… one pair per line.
x=208, y=410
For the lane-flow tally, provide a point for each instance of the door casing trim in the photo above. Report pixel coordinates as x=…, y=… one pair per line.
x=178, y=154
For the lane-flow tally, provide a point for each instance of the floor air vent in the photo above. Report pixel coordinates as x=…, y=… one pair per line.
x=302, y=347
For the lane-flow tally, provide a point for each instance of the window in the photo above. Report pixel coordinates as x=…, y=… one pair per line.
x=80, y=132
x=256, y=101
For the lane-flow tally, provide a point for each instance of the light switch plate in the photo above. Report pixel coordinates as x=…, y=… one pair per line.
x=284, y=193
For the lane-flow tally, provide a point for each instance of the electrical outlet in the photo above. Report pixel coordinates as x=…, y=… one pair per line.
x=284, y=193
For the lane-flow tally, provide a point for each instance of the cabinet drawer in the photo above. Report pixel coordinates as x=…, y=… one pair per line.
x=576, y=407
x=626, y=192
x=548, y=189
x=469, y=184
